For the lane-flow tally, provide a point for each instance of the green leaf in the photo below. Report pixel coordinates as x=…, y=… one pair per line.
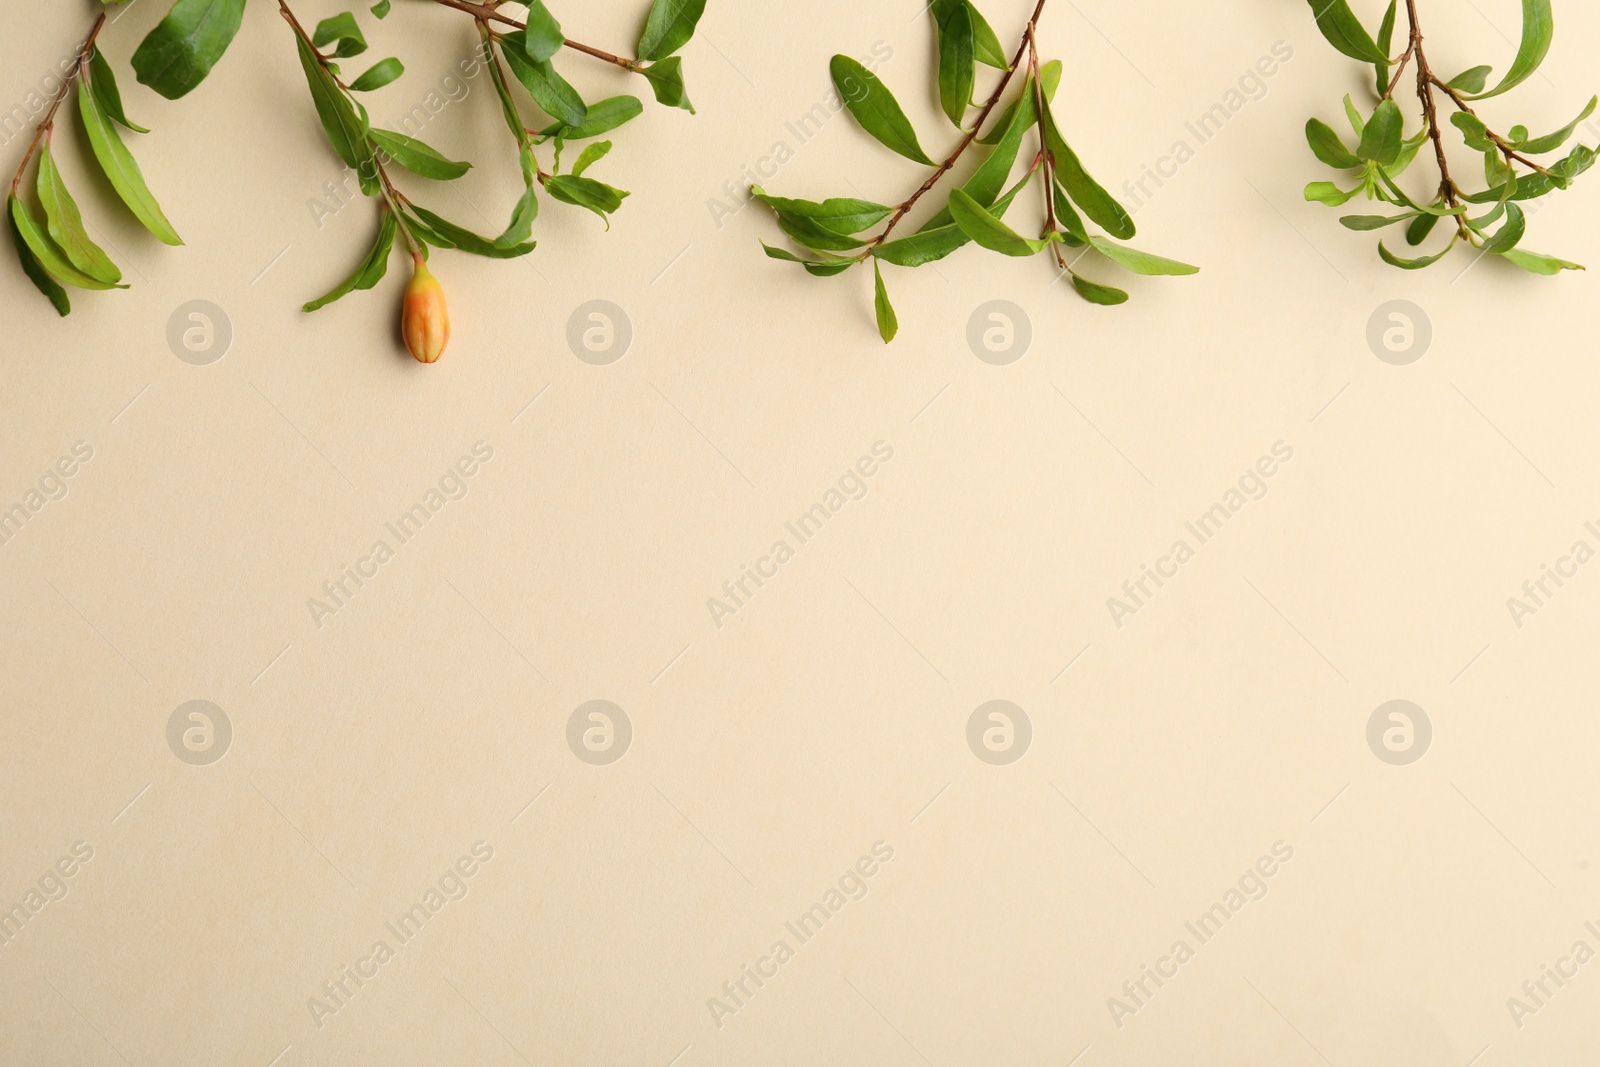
x=340, y=28
x=1327, y=146
x=1419, y=229
x=598, y=197
x=1330, y=194
x=822, y=268
x=121, y=169
x=666, y=81
x=1471, y=80
x=103, y=82
x=1140, y=262
x=842, y=215
x=344, y=129
x=888, y=324
x=1473, y=131
x=989, y=231
x=603, y=116
x=1096, y=293
x=452, y=236
x=876, y=109
x=669, y=27
x=990, y=51
x=522, y=217
x=1539, y=264
x=1345, y=32
x=1087, y=193
x=928, y=245
x=1386, y=46
x=31, y=265
x=48, y=255
x=418, y=158
x=66, y=222
x=177, y=55
x=549, y=90
x=1552, y=141
x=378, y=75
x=1375, y=222
x=1075, y=234
x=371, y=270
x=957, y=62
x=1538, y=27
x=815, y=236
x=590, y=156
x=1357, y=123
x=1510, y=234
x=380, y=9
x=1413, y=264
x=543, y=37
x=1380, y=142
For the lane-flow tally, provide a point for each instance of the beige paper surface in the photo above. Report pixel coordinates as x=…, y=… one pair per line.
x=424, y=745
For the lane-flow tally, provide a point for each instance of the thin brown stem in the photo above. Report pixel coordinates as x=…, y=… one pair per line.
x=966, y=142
x=48, y=122
x=488, y=13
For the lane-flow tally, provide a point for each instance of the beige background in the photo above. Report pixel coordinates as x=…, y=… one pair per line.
x=830, y=712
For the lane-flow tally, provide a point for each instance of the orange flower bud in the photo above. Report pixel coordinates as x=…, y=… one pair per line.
x=424, y=318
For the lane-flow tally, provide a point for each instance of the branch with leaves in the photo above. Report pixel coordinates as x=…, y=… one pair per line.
x=1383, y=151
x=830, y=230
x=182, y=50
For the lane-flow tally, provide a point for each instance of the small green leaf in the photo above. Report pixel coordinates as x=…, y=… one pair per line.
x=1345, y=32
x=1140, y=262
x=1374, y=222
x=121, y=169
x=542, y=38
x=46, y=252
x=590, y=156
x=1473, y=131
x=666, y=81
x=1538, y=27
x=345, y=131
x=1357, y=123
x=1087, y=193
x=1471, y=80
x=1386, y=46
x=1539, y=264
x=1096, y=293
x=378, y=75
x=103, y=82
x=177, y=55
x=1413, y=264
x=598, y=197
x=371, y=270
x=810, y=233
x=957, y=61
x=31, y=265
x=888, y=324
x=822, y=268
x=1550, y=142
x=549, y=90
x=1419, y=229
x=989, y=231
x=380, y=9
x=990, y=51
x=522, y=218
x=66, y=222
x=340, y=28
x=603, y=116
x=418, y=158
x=876, y=109
x=670, y=25
x=840, y=215
x=446, y=234
x=1510, y=234
x=1327, y=146
x=1380, y=142
x=1330, y=194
